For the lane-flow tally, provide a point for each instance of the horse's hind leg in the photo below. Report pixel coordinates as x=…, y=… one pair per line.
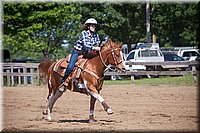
x=47, y=100
x=54, y=94
x=51, y=101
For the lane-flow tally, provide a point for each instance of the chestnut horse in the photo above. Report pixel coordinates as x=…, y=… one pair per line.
x=90, y=79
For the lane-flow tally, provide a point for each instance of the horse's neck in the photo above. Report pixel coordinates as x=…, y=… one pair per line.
x=97, y=65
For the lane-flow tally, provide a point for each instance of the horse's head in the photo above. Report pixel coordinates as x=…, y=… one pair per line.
x=114, y=55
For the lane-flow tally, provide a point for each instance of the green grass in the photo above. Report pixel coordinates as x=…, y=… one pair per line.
x=168, y=80
x=162, y=80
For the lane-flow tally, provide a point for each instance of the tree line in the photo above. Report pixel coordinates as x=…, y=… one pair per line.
x=44, y=27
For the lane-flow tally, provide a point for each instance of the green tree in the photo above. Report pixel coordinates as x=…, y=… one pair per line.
x=175, y=24
x=39, y=27
x=42, y=27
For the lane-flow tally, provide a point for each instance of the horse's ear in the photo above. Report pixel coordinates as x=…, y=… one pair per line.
x=110, y=42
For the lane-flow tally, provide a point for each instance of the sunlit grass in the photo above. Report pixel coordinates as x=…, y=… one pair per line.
x=162, y=80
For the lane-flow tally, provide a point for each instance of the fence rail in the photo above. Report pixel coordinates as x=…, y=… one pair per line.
x=18, y=74
x=191, y=63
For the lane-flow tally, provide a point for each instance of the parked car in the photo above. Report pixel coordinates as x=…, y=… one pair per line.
x=168, y=56
x=189, y=54
x=143, y=55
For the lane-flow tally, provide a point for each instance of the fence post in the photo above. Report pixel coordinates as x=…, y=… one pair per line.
x=25, y=77
x=194, y=73
x=32, y=77
x=12, y=77
x=8, y=78
x=132, y=78
x=19, y=77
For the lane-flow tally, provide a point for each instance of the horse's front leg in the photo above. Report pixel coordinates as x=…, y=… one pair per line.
x=91, y=113
x=102, y=101
x=99, y=98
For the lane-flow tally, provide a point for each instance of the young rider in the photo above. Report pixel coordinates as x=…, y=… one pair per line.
x=88, y=40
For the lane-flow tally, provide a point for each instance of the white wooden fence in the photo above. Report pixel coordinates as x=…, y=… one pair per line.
x=19, y=74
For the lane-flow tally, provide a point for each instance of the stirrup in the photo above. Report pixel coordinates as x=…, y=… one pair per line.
x=62, y=87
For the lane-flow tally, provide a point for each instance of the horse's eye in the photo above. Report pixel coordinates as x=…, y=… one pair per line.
x=117, y=55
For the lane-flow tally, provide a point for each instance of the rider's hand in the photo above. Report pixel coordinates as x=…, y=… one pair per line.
x=96, y=48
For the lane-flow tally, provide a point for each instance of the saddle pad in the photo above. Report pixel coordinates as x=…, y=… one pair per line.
x=65, y=63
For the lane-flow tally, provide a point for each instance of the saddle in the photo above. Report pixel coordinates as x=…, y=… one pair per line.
x=60, y=68
x=61, y=65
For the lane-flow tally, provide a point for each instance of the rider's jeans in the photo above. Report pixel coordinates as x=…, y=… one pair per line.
x=71, y=64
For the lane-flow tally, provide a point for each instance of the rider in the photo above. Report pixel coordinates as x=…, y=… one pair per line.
x=88, y=40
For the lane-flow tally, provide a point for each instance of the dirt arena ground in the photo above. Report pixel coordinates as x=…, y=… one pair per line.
x=136, y=108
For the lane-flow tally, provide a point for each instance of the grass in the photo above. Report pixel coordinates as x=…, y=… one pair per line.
x=162, y=80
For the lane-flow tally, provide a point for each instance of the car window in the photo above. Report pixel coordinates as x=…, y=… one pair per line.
x=148, y=53
x=172, y=57
x=144, y=53
x=131, y=56
x=190, y=53
x=153, y=53
x=176, y=58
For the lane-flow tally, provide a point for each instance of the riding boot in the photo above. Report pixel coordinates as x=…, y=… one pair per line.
x=63, y=79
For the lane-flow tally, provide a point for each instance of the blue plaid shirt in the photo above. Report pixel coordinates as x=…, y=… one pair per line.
x=86, y=41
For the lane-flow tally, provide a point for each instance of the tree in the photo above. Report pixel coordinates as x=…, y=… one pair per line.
x=42, y=27
x=175, y=24
x=39, y=27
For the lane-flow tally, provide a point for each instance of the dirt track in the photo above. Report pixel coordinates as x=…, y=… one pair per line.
x=137, y=108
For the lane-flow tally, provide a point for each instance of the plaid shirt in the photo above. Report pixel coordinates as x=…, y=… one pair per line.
x=86, y=41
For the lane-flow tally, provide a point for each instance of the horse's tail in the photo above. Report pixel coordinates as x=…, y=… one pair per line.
x=43, y=70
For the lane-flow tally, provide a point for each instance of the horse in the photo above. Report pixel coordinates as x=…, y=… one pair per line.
x=90, y=77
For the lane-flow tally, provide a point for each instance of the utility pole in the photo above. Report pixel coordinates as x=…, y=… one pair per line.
x=148, y=22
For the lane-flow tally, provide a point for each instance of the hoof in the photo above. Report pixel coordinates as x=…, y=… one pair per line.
x=44, y=112
x=48, y=118
x=109, y=111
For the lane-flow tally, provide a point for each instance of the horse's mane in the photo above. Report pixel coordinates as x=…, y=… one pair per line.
x=110, y=44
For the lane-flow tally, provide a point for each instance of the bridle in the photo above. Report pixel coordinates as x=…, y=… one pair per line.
x=117, y=62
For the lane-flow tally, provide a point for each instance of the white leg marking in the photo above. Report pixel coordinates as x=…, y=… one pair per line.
x=91, y=112
x=51, y=101
x=109, y=111
x=97, y=96
x=50, y=81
